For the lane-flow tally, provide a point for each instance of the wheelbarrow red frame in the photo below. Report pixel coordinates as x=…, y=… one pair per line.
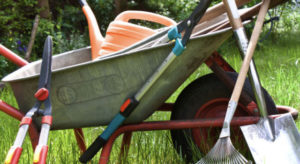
x=216, y=63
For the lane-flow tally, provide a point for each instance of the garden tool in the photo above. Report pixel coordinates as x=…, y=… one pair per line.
x=267, y=131
x=132, y=102
x=42, y=97
x=285, y=148
x=224, y=151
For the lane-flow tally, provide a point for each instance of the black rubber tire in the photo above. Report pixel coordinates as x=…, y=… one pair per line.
x=191, y=99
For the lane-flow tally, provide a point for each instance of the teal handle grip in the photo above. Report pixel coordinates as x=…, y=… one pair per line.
x=102, y=139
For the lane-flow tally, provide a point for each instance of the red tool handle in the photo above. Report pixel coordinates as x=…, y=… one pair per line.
x=40, y=154
x=13, y=155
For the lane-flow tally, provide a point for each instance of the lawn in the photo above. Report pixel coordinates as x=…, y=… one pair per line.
x=278, y=64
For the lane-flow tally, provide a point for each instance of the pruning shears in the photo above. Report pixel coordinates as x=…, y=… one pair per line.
x=131, y=103
x=42, y=97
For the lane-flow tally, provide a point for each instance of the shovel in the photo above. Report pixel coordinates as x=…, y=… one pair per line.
x=270, y=141
x=285, y=148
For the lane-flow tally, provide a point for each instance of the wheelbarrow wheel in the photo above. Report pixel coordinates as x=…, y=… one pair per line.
x=207, y=97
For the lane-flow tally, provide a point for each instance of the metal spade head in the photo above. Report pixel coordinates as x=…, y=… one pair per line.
x=285, y=148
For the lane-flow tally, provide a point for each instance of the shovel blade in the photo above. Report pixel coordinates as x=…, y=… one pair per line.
x=284, y=149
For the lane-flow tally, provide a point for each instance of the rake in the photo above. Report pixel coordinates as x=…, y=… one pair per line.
x=224, y=151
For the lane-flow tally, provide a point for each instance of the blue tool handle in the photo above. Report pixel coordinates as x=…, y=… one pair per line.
x=102, y=139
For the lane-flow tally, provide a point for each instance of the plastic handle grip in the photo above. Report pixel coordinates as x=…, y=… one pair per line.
x=101, y=140
x=142, y=15
x=92, y=150
x=13, y=155
x=40, y=154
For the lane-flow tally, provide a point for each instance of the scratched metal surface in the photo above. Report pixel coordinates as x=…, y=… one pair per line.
x=89, y=93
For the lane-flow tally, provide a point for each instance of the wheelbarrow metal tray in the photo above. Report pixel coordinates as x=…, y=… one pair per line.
x=89, y=93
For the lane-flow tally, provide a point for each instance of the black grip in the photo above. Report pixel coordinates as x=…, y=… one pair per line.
x=82, y=2
x=92, y=150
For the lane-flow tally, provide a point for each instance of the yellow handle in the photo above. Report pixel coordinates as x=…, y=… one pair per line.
x=142, y=15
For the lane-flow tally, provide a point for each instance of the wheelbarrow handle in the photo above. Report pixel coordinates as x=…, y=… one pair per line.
x=12, y=56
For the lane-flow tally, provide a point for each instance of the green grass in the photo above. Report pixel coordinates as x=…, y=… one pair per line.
x=278, y=64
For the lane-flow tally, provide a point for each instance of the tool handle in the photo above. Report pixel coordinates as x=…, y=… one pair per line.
x=13, y=155
x=82, y=2
x=126, y=109
x=92, y=150
x=250, y=51
x=15, y=151
x=244, y=69
x=40, y=154
x=102, y=139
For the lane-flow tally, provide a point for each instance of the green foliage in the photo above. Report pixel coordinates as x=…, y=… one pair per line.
x=5, y=68
x=14, y=16
x=104, y=12
x=177, y=10
x=69, y=29
x=15, y=25
x=289, y=14
x=16, y=21
x=278, y=65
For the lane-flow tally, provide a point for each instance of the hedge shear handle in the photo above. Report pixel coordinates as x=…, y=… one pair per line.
x=40, y=153
x=42, y=96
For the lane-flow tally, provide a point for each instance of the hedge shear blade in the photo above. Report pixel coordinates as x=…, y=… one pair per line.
x=42, y=97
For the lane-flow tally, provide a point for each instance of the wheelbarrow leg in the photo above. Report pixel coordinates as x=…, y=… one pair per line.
x=125, y=146
x=80, y=139
x=105, y=153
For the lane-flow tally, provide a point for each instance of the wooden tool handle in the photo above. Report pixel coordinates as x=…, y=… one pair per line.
x=250, y=51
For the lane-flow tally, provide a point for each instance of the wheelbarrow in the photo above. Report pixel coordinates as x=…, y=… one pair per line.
x=89, y=93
